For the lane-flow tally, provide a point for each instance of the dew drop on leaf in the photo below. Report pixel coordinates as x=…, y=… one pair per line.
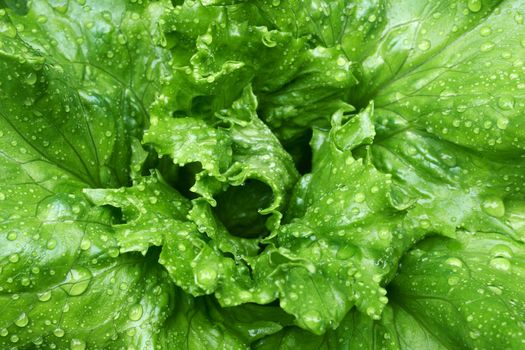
x=77, y=281
x=85, y=244
x=51, y=244
x=487, y=46
x=474, y=5
x=485, y=31
x=493, y=206
x=135, y=312
x=452, y=281
x=77, y=344
x=424, y=45
x=22, y=320
x=207, y=277
x=312, y=319
x=59, y=332
x=501, y=251
x=506, y=102
x=502, y=264
x=454, y=262
x=345, y=252
x=45, y=296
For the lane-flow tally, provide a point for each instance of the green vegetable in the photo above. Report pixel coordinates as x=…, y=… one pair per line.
x=284, y=174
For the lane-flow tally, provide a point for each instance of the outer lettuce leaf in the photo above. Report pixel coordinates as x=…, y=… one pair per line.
x=466, y=292
x=397, y=329
x=451, y=130
x=449, y=294
x=62, y=281
x=110, y=50
x=201, y=324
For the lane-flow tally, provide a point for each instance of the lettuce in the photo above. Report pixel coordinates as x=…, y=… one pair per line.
x=229, y=174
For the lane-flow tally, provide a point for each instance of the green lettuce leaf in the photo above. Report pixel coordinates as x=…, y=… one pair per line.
x=63, y=282
x=449, y=294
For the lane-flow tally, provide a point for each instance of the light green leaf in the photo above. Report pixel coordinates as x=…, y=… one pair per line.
x=465, y=290
x=58, y=258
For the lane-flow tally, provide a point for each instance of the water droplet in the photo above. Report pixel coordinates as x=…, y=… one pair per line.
x=360, y=197
x=11, y=236
x=276, y=2
x=485, y=47
x=51, y=244
x=113, y=252
x=493, y=206
x=454, y=262
x=501, y=251
x=345, y=252
x=30, y=79
x=495, y=290
x=372, y=18
x=485, y=31
x=424, y=45
x=340, y=75
x=77, y=281
x=452, y=281
x=45, y=296
x=502, y=264
x=207, y=277
x=14, y=258
x=474, y=5
x=77, y=344
x=312, y=319
x=474, y=334
x=2, y=196
x=518, y=18
x=14, y=338
x=59, y=332
x=81, y=2
x=135, y=312
x=121, y=39
x=341, y=61
x=506, y=102
x=4, y=332
x=41, y=19
x=85, y=244
x=207, y=38
x=502, y=123
x=8, y=29
x=22, y=320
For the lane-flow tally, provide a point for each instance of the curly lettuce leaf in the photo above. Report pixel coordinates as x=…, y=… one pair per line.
x=297, y=85
x=343, y=239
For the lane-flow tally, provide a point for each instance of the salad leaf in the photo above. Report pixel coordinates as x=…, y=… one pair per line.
x=235, y=174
